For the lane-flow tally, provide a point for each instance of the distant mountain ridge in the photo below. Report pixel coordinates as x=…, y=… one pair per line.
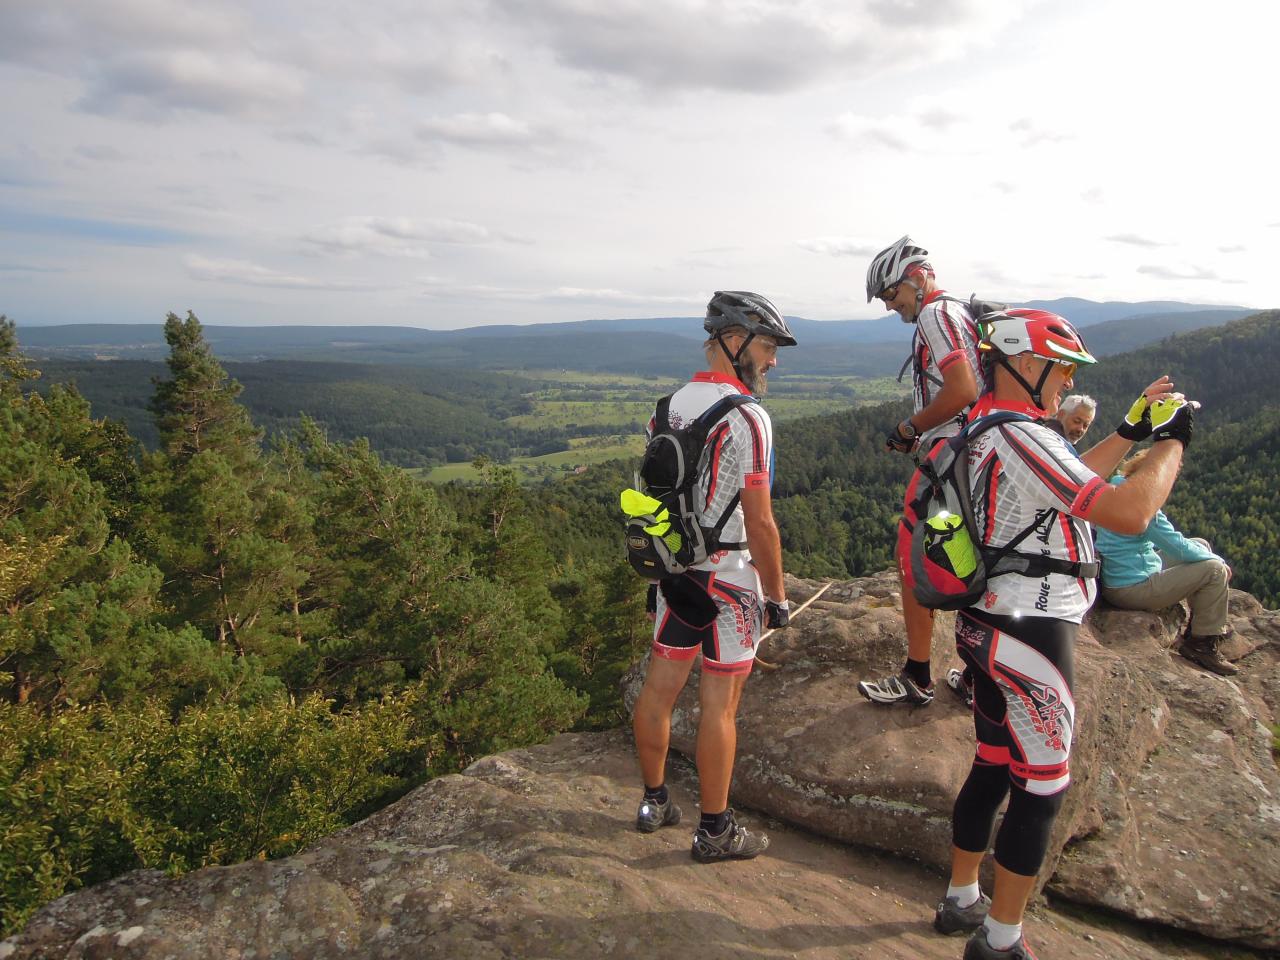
x=653, y=345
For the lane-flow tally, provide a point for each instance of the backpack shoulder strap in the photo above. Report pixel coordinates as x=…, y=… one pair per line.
x=720, y=409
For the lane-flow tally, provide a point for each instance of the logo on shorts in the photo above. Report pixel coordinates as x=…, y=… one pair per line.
x=969, y=633
x=1047, y=711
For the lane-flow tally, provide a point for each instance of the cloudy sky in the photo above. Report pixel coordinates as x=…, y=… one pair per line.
x=447, y=163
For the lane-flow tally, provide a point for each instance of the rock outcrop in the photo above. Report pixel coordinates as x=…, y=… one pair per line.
x=532, y=854
x=1174, y=813
x=1174, y=817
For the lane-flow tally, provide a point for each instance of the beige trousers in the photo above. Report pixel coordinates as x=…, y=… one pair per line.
x=1202, y=584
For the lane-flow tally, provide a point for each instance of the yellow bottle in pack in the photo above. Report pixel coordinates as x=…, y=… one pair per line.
x=947, y=530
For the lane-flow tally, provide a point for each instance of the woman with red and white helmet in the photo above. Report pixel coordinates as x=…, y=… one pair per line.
x=1019, y=642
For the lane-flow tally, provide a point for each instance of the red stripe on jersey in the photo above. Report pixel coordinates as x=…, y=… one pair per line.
x=717, y=442
x=951, y=358
x=1062, y=486
x=992, y=488
x=949, y=328
x=757, y=443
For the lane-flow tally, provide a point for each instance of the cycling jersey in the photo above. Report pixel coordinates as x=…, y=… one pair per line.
x=945, y=334
x=1020, y=472
x=738, y=454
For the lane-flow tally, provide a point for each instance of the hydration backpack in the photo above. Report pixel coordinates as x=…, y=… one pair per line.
x=665, y=536
x=950, y=564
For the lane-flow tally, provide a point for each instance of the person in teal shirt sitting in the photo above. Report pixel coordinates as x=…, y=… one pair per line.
x=1160, y=567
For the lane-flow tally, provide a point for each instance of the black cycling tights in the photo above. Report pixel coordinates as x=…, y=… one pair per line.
x=1024, y=716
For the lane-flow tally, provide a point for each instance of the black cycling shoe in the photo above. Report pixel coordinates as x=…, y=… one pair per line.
x=977, y=948
x=950, y=918
x=652, y=816
x=736, y=843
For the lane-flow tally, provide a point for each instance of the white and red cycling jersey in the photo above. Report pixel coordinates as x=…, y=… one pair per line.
x=1020, y=471
x=945, y=334
x=738, y=455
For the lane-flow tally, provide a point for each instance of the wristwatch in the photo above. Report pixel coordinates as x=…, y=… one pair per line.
x=908, y=429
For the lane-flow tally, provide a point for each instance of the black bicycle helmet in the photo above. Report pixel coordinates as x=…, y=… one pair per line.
x=752, y=312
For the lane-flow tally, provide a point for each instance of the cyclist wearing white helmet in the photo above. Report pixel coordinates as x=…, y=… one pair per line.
x=1019, y=641
x=946, y=379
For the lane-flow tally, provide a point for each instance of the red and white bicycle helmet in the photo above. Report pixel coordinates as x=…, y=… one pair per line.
x=1009, y=333
x=1045, y=334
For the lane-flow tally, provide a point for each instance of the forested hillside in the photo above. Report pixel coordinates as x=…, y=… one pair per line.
x=218, y=651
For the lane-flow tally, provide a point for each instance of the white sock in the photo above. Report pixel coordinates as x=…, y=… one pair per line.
x=1001, y=936
x=966, y=895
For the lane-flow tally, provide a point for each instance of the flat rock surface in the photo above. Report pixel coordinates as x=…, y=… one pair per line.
x=532, y=854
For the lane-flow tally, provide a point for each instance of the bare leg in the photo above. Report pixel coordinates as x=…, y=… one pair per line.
x=652, y=720
x=964, y=866
x=717, y=737
x=919, y=621
x=1009, y=899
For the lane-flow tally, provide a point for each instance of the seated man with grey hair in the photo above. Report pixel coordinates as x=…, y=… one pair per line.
x=1076, y=414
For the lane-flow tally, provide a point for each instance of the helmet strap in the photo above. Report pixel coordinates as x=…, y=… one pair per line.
x=919, y=300
x=1035, y=391
x=735, y=359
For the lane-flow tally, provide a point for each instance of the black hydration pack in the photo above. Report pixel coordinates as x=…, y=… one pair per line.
x=950, y=564
x=665, y=534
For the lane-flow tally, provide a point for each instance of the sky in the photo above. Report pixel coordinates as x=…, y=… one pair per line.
x=449, y=164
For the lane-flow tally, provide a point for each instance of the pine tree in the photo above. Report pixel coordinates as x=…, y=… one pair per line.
x=219, y=521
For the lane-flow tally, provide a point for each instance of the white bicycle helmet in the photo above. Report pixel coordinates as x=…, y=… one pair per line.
x=891, y=264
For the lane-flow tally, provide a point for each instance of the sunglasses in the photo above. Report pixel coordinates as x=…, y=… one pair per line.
x=1069, y=364
x=889, y=294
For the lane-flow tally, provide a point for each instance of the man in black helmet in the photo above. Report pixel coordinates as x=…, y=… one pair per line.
x=946, y=380
x=719, y=607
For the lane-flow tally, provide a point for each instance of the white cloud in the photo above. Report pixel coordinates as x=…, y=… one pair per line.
x=251, y=274
x=397, y=236
x=766, y=46
x=1135, y=240
x=1187, y=273
x=1031, y=134
x=484, y=131
x=439, y=288
x=156, y=84
x=856, y=128
x=839, y=247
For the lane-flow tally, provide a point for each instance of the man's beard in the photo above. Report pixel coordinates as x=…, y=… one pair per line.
x=754, y=380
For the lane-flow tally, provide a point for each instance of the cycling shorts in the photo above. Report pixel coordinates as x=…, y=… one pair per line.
x=701, y=613
x=1023, y=710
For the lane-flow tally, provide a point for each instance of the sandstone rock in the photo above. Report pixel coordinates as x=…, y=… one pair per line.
x=532, y=854
x=1166, y=754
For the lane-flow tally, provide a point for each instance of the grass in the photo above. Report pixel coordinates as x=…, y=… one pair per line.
x=585, y=403
x=583, y=452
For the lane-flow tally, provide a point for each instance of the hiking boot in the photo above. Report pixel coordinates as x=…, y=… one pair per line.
x=736, y=843
x=956, y=683
x=651, y=815
x=1204, y=651
x=950, y=918
x=899, y=689
x=977, y=948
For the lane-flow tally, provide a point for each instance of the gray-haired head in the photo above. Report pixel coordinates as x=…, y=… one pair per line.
x=1076, y=414
x=1068, y=404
